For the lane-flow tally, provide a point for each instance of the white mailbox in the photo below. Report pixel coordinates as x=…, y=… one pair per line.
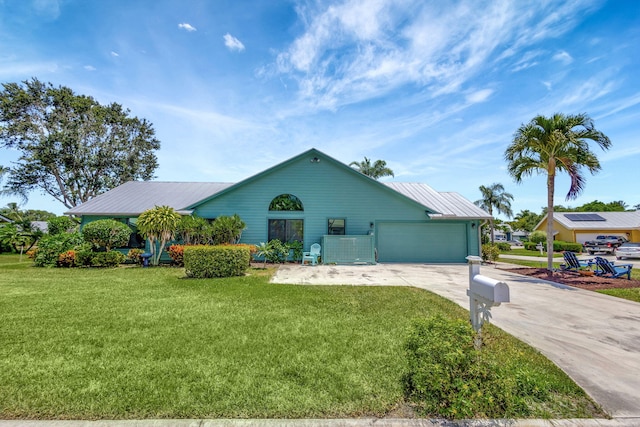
x=484, y=293
x=489, y=289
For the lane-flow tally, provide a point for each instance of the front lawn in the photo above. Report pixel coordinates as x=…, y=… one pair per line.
x=147, y=343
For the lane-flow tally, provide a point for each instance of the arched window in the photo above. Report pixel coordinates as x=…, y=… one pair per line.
x=286, y=202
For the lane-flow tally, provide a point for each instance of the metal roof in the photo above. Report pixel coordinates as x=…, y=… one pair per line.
x=444, y=204
x=134, y=197
x=612, y=220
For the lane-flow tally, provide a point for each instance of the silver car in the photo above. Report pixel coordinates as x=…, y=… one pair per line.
x=628, y=250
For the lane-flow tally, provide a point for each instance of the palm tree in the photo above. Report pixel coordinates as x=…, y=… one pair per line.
x=159, y=226
x=375, y=171
x=494, y=196
x=548, y=145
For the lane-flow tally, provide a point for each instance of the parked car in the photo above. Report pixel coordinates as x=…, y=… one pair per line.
x=628, y=250
x=603, y=244
x=515, y=242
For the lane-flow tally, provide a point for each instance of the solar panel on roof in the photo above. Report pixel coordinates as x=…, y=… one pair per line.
x=583, y=217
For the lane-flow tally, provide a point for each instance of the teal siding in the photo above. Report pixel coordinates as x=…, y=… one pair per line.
x=329, y=190
x=326, y=191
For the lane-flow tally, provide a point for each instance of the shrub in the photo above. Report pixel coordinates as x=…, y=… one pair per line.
x=134, y=255
x=107, y=259
x=194, y=230
x=84, y=258
x=560, y=246
x=505, y=247
x=227, y=229
x=176, y=252
x=296, y=248
x=277, y=251
x=538, y=236
x=107, y=233
x=447, y=377
x=67, y=259
x=50, y=248
x=61, y=224
x=490, y=252
x=215, y=261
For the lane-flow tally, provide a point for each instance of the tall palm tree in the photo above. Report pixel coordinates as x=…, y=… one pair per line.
x=375, y=170
x=494, y=196
x=548, y=145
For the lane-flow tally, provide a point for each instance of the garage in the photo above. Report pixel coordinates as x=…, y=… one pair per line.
x=421, y=242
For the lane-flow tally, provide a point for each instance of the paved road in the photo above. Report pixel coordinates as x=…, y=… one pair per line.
x=593, y=337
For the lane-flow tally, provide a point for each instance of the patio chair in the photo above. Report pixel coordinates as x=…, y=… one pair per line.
x=607, y=268
x=572, y=263
x=312, y=255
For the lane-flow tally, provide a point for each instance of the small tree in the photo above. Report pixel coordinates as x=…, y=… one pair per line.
x=11, y=235
x=159, y=226
x=107, y=233
x=228, y=229
x=194, y=230
x=60, y=224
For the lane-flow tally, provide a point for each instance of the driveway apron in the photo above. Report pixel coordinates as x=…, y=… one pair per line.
x=594, y=338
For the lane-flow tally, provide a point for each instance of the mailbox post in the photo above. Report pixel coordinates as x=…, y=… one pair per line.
x=484, y=293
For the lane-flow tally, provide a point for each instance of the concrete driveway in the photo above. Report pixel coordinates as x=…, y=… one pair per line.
x=594, y=338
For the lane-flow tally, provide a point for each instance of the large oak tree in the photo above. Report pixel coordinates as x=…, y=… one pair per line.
x=71, y=147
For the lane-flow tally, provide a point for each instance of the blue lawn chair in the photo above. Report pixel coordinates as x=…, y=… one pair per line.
x=607, y=268
x=572, y=263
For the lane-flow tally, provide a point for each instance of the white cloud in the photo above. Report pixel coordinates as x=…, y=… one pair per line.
x=187, y=27
x=233, y=43
x=115, y=54
x=363, y=49
x=479, y=96
x=563, y=57
x=89, y=68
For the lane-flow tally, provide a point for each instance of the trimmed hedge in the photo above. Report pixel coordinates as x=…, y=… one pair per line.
x=99, y=259
x=558, y=246
x=215, y=261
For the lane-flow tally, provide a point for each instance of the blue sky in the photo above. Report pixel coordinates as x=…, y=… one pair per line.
x=435, y=88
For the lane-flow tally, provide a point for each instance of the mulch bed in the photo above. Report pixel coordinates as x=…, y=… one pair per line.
x=577, y=280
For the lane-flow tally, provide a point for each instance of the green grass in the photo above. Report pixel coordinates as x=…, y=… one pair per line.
x=632, y=294
x=146, y=343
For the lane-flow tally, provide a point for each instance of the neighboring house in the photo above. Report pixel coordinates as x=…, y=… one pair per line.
x=582, y=226
x=40, y=225
x=405, y=222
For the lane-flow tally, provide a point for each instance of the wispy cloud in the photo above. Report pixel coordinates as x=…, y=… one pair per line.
x=563, y=57
x=233, y=43
x=363, y=49
x=89, y=68
x=115, y=54
x=187, y=27
x=479, y=96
